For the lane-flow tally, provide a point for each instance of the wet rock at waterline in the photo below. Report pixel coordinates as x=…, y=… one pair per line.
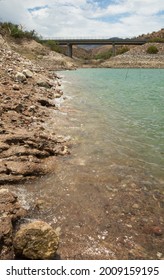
x=36, y=240
x=10, y=212
x=10, y=206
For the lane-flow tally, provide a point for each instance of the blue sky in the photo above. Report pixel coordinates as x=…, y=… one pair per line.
x=85, y=18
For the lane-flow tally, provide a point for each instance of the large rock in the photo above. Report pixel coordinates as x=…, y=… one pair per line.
x=36, y=240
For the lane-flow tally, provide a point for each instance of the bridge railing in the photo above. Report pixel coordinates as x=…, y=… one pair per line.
x=75, y=38
x=91, y=39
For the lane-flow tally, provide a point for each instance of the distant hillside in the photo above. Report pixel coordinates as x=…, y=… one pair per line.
x=155, y=36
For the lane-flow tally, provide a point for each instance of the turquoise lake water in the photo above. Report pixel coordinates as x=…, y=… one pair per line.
x=118, y=118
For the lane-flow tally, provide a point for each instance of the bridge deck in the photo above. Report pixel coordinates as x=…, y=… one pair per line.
x=97, y=41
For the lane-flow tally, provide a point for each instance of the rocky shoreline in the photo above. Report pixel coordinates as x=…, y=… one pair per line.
x=28, y=95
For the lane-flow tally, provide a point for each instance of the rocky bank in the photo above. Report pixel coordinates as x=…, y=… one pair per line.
x=28, y=94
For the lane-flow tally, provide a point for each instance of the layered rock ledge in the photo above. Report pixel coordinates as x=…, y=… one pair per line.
x=28, y=94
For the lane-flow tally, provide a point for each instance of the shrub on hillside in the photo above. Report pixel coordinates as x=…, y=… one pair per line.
x=52, y=45
x=104, y=55
x=122, y=50
x=17, y=31
x=157, y=40
x=152, y=50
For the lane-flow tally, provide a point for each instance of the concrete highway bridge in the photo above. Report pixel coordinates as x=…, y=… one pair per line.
x=70, y=42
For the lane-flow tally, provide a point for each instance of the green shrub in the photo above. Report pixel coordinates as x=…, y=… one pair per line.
x=17, y=31
x=157, y=40
x=122, y=50
x=52, y=45
x=152, y=50
x=104, y=55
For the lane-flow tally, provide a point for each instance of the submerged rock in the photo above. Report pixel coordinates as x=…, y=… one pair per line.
x=36, y=240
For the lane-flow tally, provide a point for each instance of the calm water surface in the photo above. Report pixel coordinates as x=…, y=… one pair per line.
x=119, y=118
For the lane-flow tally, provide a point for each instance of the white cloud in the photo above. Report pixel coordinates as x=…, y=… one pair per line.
x=85, y=18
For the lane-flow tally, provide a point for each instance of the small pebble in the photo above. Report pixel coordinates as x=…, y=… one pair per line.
x=159, y=255
x=16, y=87
x=135, y=206
x=156, y=230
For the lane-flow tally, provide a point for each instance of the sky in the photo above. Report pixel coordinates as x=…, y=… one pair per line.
x=85, y=18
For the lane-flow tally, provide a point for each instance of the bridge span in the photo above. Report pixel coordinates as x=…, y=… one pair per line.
x=113, y=42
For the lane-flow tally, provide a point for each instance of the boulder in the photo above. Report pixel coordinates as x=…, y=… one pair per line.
x=36, y=240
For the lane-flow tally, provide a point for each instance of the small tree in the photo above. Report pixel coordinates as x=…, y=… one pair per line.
x=152, y=50
x=53, y=46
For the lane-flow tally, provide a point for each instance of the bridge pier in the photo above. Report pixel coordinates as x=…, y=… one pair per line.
x=113, y=49
x=69, y=50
